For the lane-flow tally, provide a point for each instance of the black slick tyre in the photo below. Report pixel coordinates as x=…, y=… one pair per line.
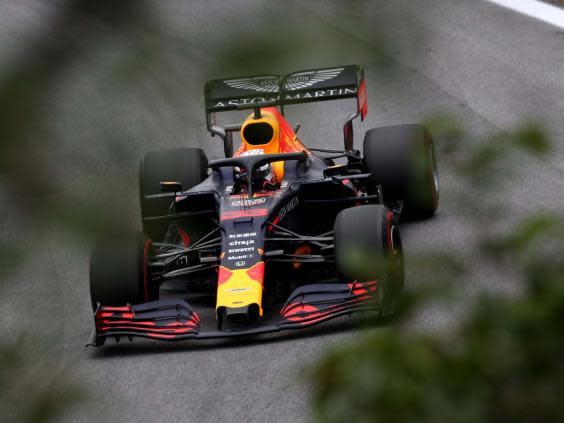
x=368, y=248
x=119, y=273
x=401, y=159
x=189, y=166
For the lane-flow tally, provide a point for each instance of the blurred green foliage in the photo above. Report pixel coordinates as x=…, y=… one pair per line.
x=29, y=393
x=87, y=91
x=503, y=361
x=34, y=385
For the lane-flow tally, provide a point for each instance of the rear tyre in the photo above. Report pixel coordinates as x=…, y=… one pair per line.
x=368, y=248
x=402, y=160
x=119, y=274
x=189, y=166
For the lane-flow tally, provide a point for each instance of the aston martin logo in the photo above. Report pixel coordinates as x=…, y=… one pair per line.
x=298, y=81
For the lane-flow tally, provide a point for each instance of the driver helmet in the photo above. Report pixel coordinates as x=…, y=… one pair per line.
x=263, y=178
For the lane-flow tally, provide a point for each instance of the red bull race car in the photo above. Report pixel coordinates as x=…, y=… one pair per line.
x=276, y=235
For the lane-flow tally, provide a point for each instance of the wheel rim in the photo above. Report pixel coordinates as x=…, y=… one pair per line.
x=434, y=172
x=387, y=297
x=396, y=247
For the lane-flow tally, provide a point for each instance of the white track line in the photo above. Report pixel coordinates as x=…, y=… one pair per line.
x=535, y=9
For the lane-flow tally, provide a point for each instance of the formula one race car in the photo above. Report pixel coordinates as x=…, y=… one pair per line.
x=275, y=236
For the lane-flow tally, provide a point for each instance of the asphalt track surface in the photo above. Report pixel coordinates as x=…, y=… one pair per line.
x=489, y=66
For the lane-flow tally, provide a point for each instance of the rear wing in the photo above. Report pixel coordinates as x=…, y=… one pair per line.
x=306, y=86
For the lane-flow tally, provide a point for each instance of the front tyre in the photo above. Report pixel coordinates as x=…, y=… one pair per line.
x=119, y=273
x=368, y=248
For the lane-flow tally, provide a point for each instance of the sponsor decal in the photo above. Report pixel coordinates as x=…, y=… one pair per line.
x=243, y=235
x=297, y=81
x=236, y=214
x=241, y=257
x=237, y=290
x=182, y=261
x=253, y=152
x=298, y=96
x=248, y=202
x=291, y=205
x=243, y=242
x=241, y=250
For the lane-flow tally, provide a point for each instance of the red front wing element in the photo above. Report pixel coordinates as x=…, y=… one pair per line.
x=165, y=319
x=315, y=303
x=174, y=319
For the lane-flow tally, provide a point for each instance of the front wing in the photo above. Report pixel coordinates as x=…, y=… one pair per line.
x=175, y=320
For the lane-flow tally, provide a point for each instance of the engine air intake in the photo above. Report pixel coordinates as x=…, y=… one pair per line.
x=259, y=133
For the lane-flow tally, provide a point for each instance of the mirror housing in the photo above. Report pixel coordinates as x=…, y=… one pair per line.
x=170, y=186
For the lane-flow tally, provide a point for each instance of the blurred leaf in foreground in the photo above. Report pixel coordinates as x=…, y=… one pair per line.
x=504, y=361
x=29, y=393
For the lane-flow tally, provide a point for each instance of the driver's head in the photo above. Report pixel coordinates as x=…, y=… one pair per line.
x=262, y=133
x=263, y=178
